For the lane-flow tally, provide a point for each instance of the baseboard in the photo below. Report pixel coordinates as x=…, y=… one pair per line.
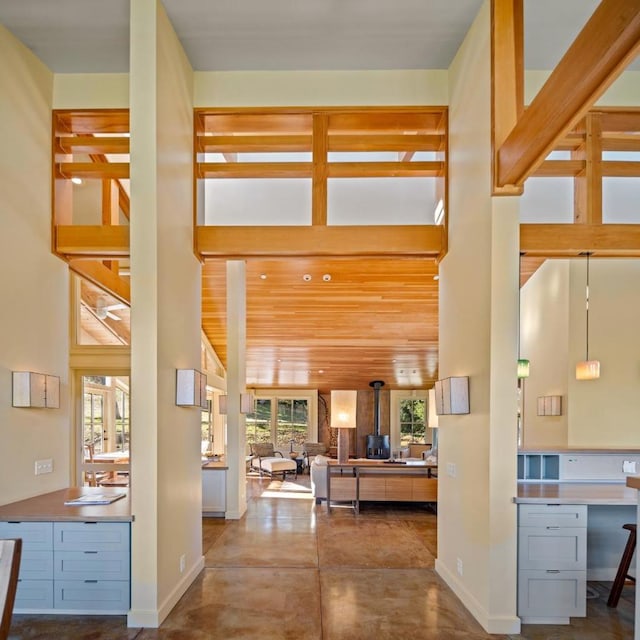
x=153, y=619
x=235, y=515
x=603, y=574
x=491, y=624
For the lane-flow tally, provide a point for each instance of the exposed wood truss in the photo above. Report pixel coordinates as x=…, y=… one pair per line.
x=602, y=50
x=416, y=138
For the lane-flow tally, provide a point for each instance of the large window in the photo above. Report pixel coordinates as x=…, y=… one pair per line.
x=288, y=420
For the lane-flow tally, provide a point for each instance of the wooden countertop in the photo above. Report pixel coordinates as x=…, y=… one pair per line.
x=381, y=464
x=544, y=450
x=576, y=493
x=51, y=507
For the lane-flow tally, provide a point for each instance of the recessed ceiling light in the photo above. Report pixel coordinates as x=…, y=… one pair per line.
x=263, y=276
x=320, y=370
x=76, y=180
x=326, y=277
x=436, y=277
x=306, y=277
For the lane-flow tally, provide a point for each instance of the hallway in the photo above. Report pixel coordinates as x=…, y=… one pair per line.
x=290, y=570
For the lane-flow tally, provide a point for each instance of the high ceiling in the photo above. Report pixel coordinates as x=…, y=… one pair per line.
x=91, y=36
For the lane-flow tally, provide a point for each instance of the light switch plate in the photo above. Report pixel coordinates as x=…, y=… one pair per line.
x=44, y=466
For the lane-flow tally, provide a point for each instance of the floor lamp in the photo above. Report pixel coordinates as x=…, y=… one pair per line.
x=343, y=418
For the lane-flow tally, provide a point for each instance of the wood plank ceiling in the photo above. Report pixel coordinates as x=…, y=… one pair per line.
x=373, y=319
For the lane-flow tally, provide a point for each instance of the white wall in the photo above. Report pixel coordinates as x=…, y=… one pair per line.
x=476, y=516
x=34, y=286
x=165, y=327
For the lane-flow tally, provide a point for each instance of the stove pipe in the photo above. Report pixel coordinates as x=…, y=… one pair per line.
x=378, y=447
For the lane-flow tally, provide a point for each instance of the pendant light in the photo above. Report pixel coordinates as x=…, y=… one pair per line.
x=523, y=363
x=587, y=369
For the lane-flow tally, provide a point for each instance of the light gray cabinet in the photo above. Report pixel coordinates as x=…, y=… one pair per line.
x=552, y=563
x=214, y=492
x=72, y=567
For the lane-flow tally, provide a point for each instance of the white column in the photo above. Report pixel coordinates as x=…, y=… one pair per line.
x=236, y=384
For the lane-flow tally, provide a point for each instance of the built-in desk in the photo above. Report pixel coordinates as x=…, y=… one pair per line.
x=568, y=532
x=75, y=560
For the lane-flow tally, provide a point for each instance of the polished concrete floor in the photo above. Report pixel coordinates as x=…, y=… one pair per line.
x=288, y=570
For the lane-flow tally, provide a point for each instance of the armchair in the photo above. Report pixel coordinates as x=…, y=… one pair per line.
x=312, y=449
x=266, y=460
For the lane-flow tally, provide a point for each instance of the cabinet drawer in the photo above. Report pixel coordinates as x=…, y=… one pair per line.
x=552, y=515
x=560, y=548
x=547, y=594
x=92, y=595
x=343, y=488
x=36, y=565
x=36, y=536
x=91, y=536
x=398, y=489
x=91, y=565
x=370, y=488
x=34, y=594
x=424, y=489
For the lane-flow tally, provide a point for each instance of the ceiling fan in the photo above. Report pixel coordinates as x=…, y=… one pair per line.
x=104, y=310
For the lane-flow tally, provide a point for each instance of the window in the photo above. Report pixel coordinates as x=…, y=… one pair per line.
x=408, y=418
x=288, y=420
x=412, y=421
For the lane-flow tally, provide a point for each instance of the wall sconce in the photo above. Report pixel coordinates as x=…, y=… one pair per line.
x=452, y=396
x=191, y=388
x=550, y=405
x=343, y=418
x=246, y=404
x=37, y=390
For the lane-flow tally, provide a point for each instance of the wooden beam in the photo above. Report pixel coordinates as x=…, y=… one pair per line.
x=587, y=186
x=621, y=141
x=89, y=170
x=92, y=144
x=255, y=170
x=385, y=169
x=507, y=79
x=602, y=50
x=110, y=203
x=559, y=169
x=92, y=241
x=293, y=241
x=253, y=144
x=413, y=142
x=621, y=169
x=103, y=277
x=319, y=180
x=558, y=240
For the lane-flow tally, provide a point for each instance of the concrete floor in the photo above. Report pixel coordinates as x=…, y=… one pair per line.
x=288, y=570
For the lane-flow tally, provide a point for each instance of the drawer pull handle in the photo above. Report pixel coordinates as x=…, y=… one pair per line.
x=91, y=581
x=91, y=552
x=552, y=528
x=553, y=570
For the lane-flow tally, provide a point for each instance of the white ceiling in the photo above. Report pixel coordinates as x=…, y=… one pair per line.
x=92, y=36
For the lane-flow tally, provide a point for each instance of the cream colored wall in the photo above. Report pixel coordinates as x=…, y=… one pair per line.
x=605, y=412
x=34, y=286
x=597, y=413
x=624, y=92
x=165, y=287
x=477, y=452
x=91, y=91
x=544, y=324
x=308, y=88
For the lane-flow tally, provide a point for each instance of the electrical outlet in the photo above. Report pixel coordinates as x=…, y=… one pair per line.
x=452, y=469
x=183, y=563
x=629, y=466
x=44, y=466
x=459, y=566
